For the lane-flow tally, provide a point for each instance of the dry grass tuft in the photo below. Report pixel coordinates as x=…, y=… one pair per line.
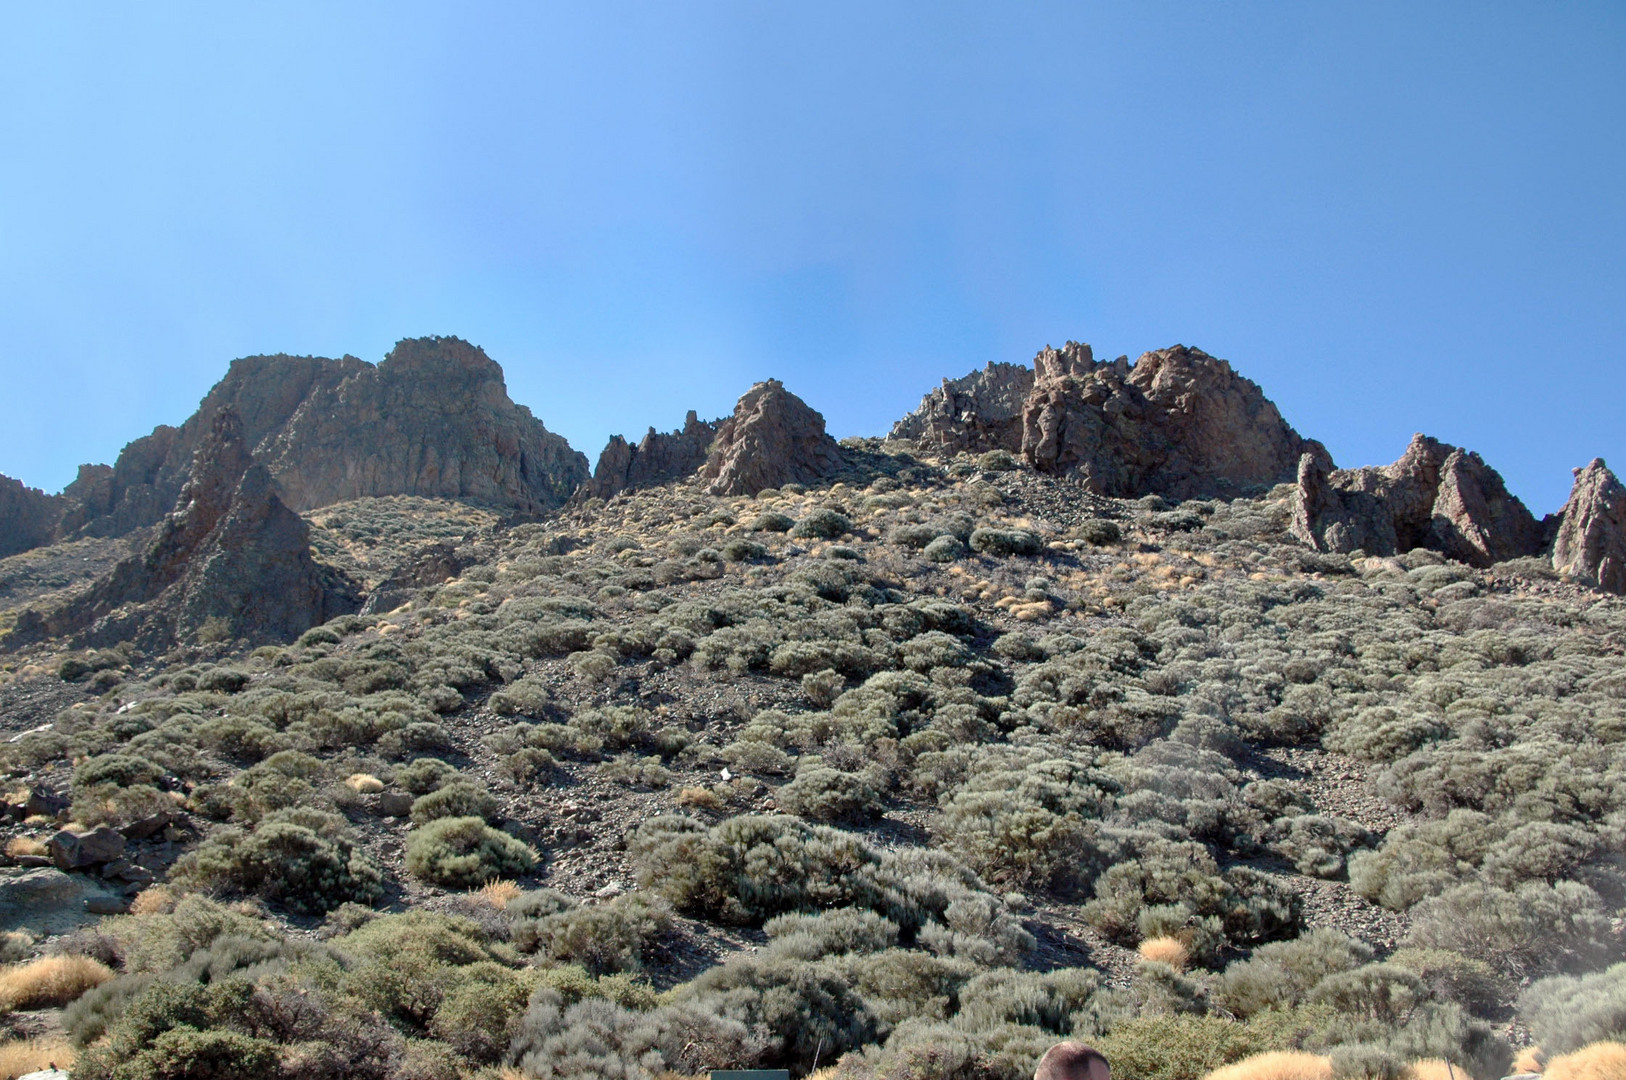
x=1165, y=950
x=1600, y=1061
x=51, y=981
x=497, y=893
x=154, y=900
x=704, y=798
x=364, y=784
x=1529, y=1060
x=32, y=1055
x=1438, y=1069
x=1276, y=1065
x=25, y=845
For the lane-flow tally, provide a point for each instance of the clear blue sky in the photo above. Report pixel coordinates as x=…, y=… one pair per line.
x=1395, y=217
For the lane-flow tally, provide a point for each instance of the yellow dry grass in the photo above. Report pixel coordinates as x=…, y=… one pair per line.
x=1276, y=1065
x=498, y=893
x=704, y=798
x=32, y=1055
x=364, y=783
x=154, y=900
x=1165, y=950
x=1438, y=1069
x=24, y=845
x=50, y=981
x=1600, y=1061
x=1528, y=1060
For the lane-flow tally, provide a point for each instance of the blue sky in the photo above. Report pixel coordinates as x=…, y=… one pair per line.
x=1394, y=217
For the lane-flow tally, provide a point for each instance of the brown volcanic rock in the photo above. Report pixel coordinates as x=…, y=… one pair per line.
x=773, y=438
x=231, y=560
x=28, y=516
x=142, y=486
x=1436, y=496
x=432, y=419
x=659, y=458
x=982, y=411
x=1591, y=541
x=1178, y=423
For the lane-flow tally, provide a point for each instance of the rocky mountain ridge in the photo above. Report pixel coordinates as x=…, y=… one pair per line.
x=434, y=419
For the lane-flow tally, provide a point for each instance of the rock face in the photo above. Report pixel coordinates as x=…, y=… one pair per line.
x=659, y=458
x=231, y=560
x=1436, y=496
x=1177, y=422
x=1591, y=541
x=982, y=411
x=773, y=438
x=28, y=516
x=432, y=419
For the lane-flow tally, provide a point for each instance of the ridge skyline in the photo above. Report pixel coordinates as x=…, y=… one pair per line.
x=561, y=424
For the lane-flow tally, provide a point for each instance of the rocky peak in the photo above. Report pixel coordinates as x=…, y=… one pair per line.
x=28, y=516
x=1178, y=422
x=1073, y=359
x=433, y=418
x=1435, y=496
x=659, y=458
x=1591, y=540
x=982, y=411
x=229, y=560
x=773, y=438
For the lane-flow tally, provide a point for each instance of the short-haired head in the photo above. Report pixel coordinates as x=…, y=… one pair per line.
x=1072, y=1061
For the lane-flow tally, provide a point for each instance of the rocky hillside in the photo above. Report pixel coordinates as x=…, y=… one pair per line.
x=905, y=757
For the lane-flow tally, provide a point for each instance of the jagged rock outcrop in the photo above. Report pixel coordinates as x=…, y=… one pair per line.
x=1177, y=422
x=773, y=438
x=1436, y=496
x=659, y=458
x=230, y=561
x=982, y=411
x=1591, y=540
x=28, y=516
x=432, y=419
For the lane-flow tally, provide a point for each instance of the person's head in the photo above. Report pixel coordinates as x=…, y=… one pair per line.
x=1072, y=1061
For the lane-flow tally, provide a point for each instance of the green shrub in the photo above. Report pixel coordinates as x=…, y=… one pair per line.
x=460, y=798
x=1099, y=531
x=822, y=523
x=302, y=859
x=1566, y=1013
x=464, y=853
x=996, y=461
x=987, y=541
x=1536, y=929
x=740, y=549
x=824, y=794
x=771, y=521
x=1281, y=974
x=426, y=774
x=945, y=549
x=602, y=939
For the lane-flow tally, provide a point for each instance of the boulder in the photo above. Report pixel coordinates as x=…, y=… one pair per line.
x=772, y=439
x=659, y=458
x=394, y=803
x=1591, y=540
x=82, y=850
x=982, y=411
x=1435, y=496
x=432, y=419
